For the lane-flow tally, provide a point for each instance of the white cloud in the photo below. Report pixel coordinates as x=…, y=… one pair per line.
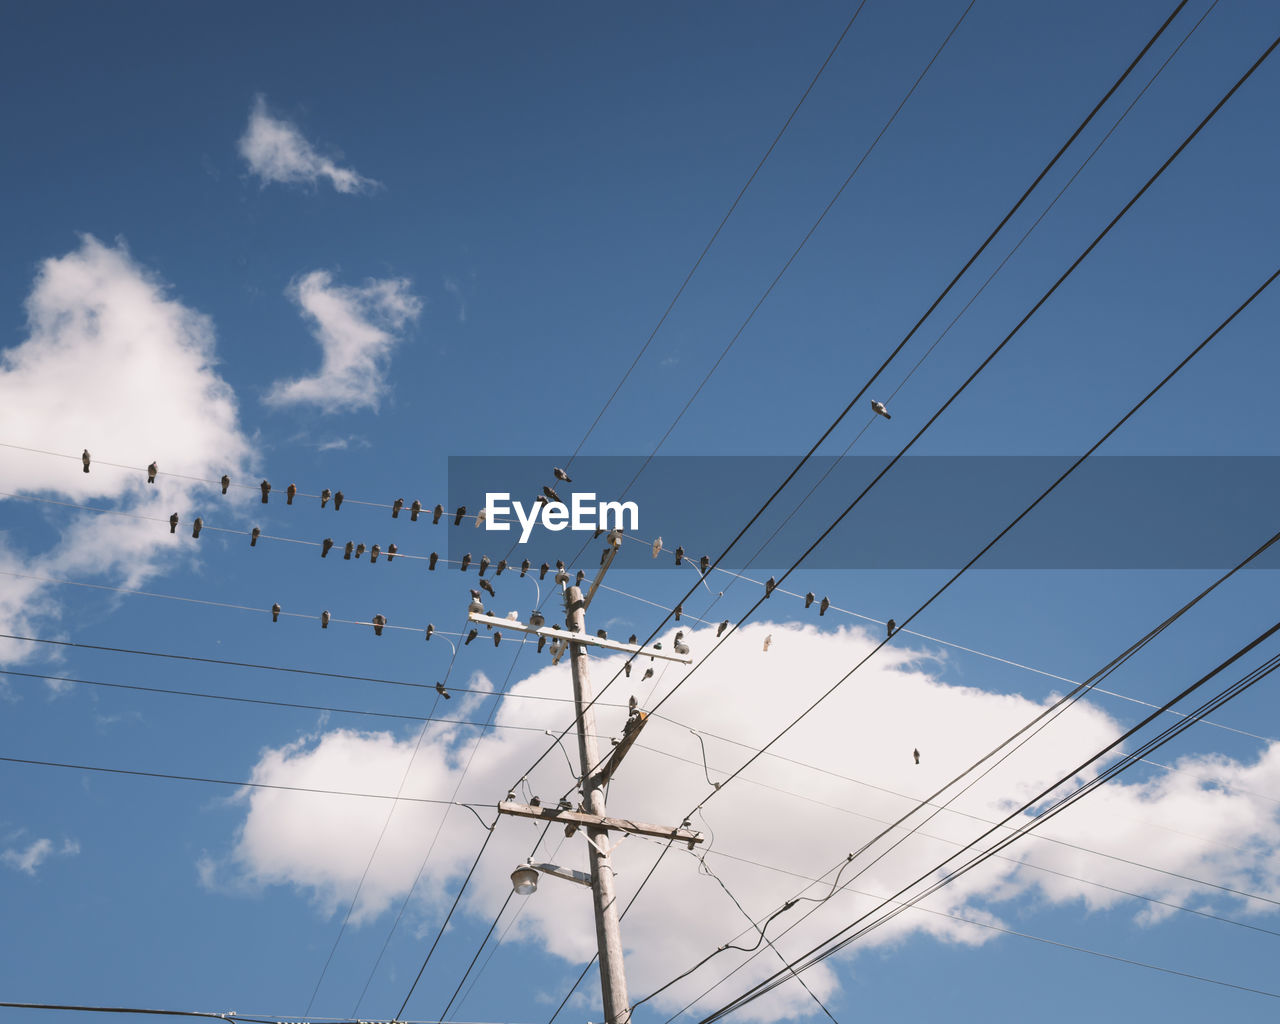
x=779, y=812
x=356, y=328
x=114, y=364
x=28, y=860
x=277, y=152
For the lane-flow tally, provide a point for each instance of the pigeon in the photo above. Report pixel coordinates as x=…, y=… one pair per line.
x=632, y=640
x=484, y=563
x=497, y=637
x=602, y=634
x=396, y=506
x=769, y=584
x=542, y=642
x=253, y=537
x=431, y=562
x=542, y=571
x=768, y=642
x=481, y=516
x=632, y=704
x=325, y=495
x=337, y=500
x=346, y=552
x=226, y=482
x=890, y=628
x=599, y=530
x=436, y=513
x=374, y=552
x=916, y=754
x=679, y=555
x=679, y=611
x=879, y=409
x=173, y=523
x=536, y=619
x=680, y=646
x=86, y=459
x=430, y=629
x=581, y=576
x=648, y=674
x=721, y=628
x=822, y=608
x=626, y=669
x=378, y=622
x=808, y=599
x=704, y=563
x=360, y=550
x=540, y=500
x=470, y=636
x=458, y=514
x=497, y=569
x=266, y=489
x=414, y=509
x=442, y=691
x=325, y=545
x=152, y=470
x=524, y=568
x=561, y=474
x=559, y=563
x=513, y=616
x=656, y=547
x=391, y=552
x=604, y=554
x=290, y=493
x=476, y=604
x=551, y=494
x=487, y=587
x=196, y=527
x=466, y=561
x=324, y=619
x=275, y=612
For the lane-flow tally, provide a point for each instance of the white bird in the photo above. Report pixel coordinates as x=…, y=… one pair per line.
x=480, y=517
x=768, y=641
x=879, y=409
x=657, y=547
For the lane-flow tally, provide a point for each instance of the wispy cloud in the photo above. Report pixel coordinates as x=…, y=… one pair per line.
x=356, y=328
x=29, y=860
x=455, y=289
x=277, y=152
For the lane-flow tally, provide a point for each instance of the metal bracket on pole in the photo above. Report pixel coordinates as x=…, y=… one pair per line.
x=577, y=638
x=639, y=828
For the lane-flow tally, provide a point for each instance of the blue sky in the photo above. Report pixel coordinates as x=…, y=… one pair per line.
x=333, y=248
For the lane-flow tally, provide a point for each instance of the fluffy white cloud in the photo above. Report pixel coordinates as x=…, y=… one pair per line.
x=356, y=328
x=114, y=364
x=277, y=152
x=839, y=776
x=28, y=860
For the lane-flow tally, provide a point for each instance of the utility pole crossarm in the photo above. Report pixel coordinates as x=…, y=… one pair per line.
x=582, y=819
x=589, y=640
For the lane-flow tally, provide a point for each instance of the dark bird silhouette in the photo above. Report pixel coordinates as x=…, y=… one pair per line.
x=85, y=458
x=442, y=691
x=769, y=584
x=648, y=674
x=704, y=563
x=414, y=509
x=487, y=587
x=378, y=622
x=542, y=571
x=152, y=470
x=346, y=552
x=822, y=608
x=325, y=495
x=360, y=549
x=266, y=489
x=632, y=640
x=524, y=568
x=325, y=546
x=497, y=569
x=550, y=493
x=484, y=564
x=679, y=611
x=253, y=537
x=290, y=493
x=721, y=628
x=436, y=513
x=374, y=552
x=602, y=634
x=391, y=552
x=581, y=576
x=431, y=562
x=337, y=500
x=466, y=561
x=890, y=628
x=430, y=629
x=275, y=612
x=197, y=526
x=916, y=754
x=561, y=475
x=173, y=523
x=879, y=409
x=396, y=506
x=324, y=619
x=470, y=636
x=458, y=514
x=497, y=637
x=808, y=599
x=226, y=482
x=542, y=642
x=626, y=669
x=679, y=555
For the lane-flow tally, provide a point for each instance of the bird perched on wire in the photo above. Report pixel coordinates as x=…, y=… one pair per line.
x=721, y=628
x=337, y=500
x=542, y=571
x=481, y=516
x=551, y=494
x=879, y=409
x=768, y=642
x=290, y=493
x=325, y=546
x=484, y=563
x=197, y=526
x=374, y=552
x=253, y=537
x=497, y=637
x=561, y=475
x=346, y=551
x=430, y=629
x=648, y=674
x=890, y=628
x=487, y=587
x=679, y=611
x=275, y=612
x=414, y=509
x=85, y=458
x=769, y=584
x=458, y=514
x=822, y=608
x=431, y=562
x=626, y=669
x=704, y=563
x=497, y=569
x=152, y=470
x=266, y=489
x=524, y=567
x=808, y=599
x=679, y=555
x=916, y=754
x=542, y=642
x=226, y=482
x=391, y=552
x=324, y=619
x=360, y=550
x=173, y=523
x=325, y=495
x=436, y=513
x=476, y=604
x=396, y=506
x=466, y=561
x=656, y=547
x=442, y=691
x=379, y=621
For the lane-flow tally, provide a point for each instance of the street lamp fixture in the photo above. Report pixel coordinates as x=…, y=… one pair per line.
x=524, y=879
